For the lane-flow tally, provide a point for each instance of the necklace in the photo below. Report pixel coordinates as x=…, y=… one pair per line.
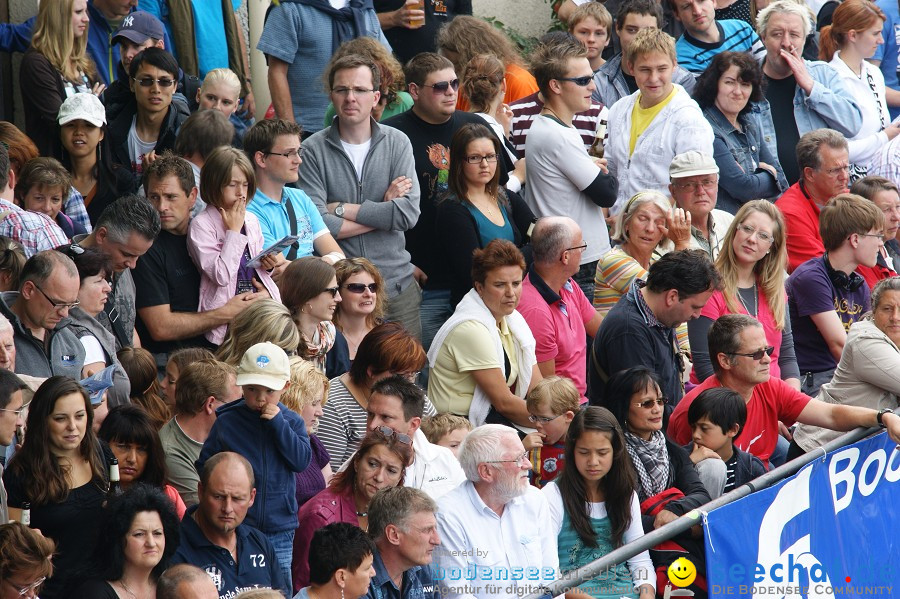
x=489, y=209
x=131, y=593
x=755, y=310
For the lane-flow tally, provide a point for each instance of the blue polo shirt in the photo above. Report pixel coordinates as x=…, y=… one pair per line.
x=275, y=222
x=256, y=567
x=418, y=583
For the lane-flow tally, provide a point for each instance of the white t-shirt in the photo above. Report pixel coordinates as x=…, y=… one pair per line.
x=93, y=351
x=137, y=148
x=558, y=169
x=357, y=154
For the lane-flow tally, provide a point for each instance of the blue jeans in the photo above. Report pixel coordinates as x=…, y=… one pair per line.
x=283, y=542
x=434, y=312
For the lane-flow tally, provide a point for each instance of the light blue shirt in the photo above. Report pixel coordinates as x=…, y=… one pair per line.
x=275, y=223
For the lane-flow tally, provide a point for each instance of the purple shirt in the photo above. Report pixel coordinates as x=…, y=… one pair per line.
x=311, y=481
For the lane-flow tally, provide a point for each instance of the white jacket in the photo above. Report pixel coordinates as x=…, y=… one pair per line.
x=679, y=127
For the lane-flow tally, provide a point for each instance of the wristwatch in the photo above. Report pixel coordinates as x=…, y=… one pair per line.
x=879, y=418
x=339, y=210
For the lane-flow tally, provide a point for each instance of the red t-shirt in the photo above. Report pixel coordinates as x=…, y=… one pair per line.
x=801, y=215
x=772, y=401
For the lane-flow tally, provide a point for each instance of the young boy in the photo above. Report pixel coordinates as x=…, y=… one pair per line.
x=651, y=126
x=716, y=417
x=272, y=438
x=704, y=36
x=551, y=405
x=45, y=186
x=591, y=23
x=447, y=430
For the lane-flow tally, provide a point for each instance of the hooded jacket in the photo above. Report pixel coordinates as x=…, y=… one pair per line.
x=118, y=132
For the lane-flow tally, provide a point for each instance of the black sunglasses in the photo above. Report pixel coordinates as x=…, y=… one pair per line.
x=442, y=86
x=758, y=354
x=361, y=287
x=579, y=81
x=332, y=290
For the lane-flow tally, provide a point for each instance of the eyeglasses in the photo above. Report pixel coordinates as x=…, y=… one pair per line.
x=583, y=246
x=517, y=460
x=389, y=432
x=441, y=87
x=876, y=235
x=758, y=354
x=149, y=81
x=761, y=235
x=542, y=419
x=356, y=91
x=696, y=185
x=57, y=305
x=648, y=405
x=361, y=287
x=17, y=412
x=583, y=81
x=289, y=154
x=476, y=159
x=28, y=589
x=834, y=172
x=332, y=290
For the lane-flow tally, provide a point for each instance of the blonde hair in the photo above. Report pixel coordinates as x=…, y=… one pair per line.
x=306, y=382
x=791, y=7
x=222, y=76
x=650, y=40
x=619, y=233
x=556, y=392
x=216, y=174
x=768, y=270
x=591, y=10
x=437, y=427
x=55, y=39
x=264, y=320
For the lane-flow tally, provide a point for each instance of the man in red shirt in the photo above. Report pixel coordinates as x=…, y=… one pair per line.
x=741, y=356
x=824, y=173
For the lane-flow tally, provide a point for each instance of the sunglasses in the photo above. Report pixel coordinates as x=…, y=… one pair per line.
x=441, y=87
x=332, y=290
x=648, y=405
x=758, y=354
x=149, y=81
x=361, y=287
x=389, y=432
x=579, y=81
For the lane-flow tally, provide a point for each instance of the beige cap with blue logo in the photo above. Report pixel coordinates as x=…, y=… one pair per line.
x=264, y=364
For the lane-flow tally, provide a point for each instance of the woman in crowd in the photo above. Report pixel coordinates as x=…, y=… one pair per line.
x=55, y=67
x=394, y=100
x=485, y=349
x=134, y=441
x=851, y=39
x=594, y=509
x=310, y=291
x=61, y=471
x=25, y=560
x=747, y=167
x=306, y=396
x=140, y=365
x=136, y=542
x=264, y=320
x=388, y=349
x=752, y=264
x=884, y=194
x=341, y=558
x=21, y=149
x=476, y=210
x=95, y=269
x=178, y=361
x=225, y=237
x=12, y=261
x=82, y=121
x=466, y=36
x=380, y=462
x=221, y=90
x=362, y=303
x=45, y=186
x=868, y=374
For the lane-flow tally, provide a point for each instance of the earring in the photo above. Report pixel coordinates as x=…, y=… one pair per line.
x=342, y=592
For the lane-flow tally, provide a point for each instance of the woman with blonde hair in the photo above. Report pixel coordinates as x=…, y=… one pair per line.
x=55, y=67
x=264, y=320
x=363, y=301
x=752, y=264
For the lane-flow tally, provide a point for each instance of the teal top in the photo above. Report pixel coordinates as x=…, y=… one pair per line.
x=487, y=230
x=403, y=103
x=573, y=554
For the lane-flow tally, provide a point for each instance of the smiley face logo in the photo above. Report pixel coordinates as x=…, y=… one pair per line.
x=682, y=572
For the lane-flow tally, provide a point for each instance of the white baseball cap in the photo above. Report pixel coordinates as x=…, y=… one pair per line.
x=86, y=107
x=264, y=364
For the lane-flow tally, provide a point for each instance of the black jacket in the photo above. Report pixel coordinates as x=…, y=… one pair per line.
x=118, y=94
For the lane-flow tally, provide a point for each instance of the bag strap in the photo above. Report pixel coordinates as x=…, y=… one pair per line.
x=113, y=314
x=292, y=217
x=600, y=372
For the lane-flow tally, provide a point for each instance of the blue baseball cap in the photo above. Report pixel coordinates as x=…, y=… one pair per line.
x=139, y=26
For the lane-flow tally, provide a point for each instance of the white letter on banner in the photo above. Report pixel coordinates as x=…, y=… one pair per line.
x=865, y=487
x=851, y=456
x=892, y=473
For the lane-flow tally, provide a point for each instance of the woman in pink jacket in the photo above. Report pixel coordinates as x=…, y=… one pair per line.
x=224, y=238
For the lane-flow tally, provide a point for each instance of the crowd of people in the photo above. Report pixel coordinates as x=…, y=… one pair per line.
x=448, y=313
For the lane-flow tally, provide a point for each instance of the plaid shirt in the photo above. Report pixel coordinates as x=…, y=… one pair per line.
x=36, y=232
x=74, y=208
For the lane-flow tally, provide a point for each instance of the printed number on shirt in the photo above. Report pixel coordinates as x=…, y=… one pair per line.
x=260, y=557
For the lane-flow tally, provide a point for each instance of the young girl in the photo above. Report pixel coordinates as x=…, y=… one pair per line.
x=225, y=237
x=595, y=510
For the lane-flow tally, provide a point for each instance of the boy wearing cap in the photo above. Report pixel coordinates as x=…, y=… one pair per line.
x=272, y=438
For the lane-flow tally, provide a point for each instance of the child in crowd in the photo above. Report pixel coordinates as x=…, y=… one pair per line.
x=178, y=361
x=272, y=438
x=44, y=186
x=225, y=237
x=591, y=24
x=447, y=430
x=716, y=417
x=551, y=405
x=594, y=508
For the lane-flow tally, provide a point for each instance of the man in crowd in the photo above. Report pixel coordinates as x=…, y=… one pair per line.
x=361, y=177
x=563, y=180
x=410, y=29
x=399, y=404
x=615, y=79
x=704, y=36
x=430, y=125
x=273, y=146
x=404, y=528
x=555, y=308
x=125, y=231
x=165, y=278
x=640, y=329
x=803, y=95
x=213, y=536
x=184, y=581
x=824, y=162
x=496, y=506
x=202, y=387
x=39, y=310
x=139, y=31
x=741, y=357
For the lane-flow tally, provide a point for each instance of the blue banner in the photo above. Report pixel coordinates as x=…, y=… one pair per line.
x=832, y=530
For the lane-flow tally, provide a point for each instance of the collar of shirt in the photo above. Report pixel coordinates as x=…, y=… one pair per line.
x=194, y=537
x=550, y=296
x=411, y=581
x=641, y=304
x=481, y=507
x=706, y=244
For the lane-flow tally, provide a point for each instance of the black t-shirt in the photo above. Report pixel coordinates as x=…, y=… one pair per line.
x=409, y=42
x=780, y=94
x=166, y=275
x=630, y=82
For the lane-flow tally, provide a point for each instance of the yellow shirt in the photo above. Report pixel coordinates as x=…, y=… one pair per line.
x=642, y=117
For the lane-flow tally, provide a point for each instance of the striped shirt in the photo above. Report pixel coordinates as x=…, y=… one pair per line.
x=734, y=36
x=527, y=108
x=36, y=232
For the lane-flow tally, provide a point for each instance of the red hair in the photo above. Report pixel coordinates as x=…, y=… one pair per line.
x=851, y=15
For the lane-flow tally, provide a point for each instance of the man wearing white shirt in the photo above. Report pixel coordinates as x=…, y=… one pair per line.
x=495, y=529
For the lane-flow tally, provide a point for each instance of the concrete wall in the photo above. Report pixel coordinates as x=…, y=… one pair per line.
x=528, y=17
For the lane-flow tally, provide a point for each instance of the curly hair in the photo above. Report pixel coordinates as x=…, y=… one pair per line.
x=467, y=36
x=749, y=71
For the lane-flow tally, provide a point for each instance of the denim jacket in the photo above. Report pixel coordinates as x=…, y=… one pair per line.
x=738, y=154
x=611, y=86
